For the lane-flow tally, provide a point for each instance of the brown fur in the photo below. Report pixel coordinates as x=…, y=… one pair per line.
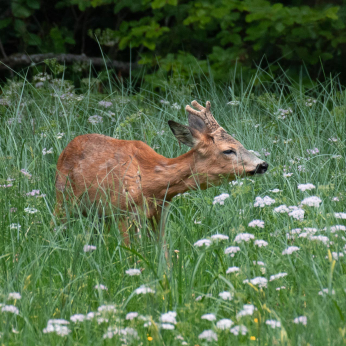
x=135, y=178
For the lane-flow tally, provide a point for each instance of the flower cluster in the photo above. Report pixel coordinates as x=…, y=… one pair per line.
x=262, y=202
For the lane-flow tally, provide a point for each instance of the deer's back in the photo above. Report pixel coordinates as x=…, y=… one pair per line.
x=100, y=164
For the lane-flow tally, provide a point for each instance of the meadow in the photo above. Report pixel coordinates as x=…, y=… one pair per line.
x=258, y=261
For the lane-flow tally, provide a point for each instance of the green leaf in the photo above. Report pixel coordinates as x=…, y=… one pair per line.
x=20, y=26
x=34, y=40
x=158, y=4
x=34, y=4
x=5, y=22
x=149, y=45
x=332, y=12
x=20, y=10
x=279, y=27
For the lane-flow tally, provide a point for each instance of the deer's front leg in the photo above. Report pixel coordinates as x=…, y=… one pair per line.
x=158, y=223
x=124, y=229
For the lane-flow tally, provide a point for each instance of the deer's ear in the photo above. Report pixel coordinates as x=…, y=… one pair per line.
x=197, y=123
x=182, y=133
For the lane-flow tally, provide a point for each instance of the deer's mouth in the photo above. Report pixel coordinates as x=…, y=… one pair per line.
x=260, y=169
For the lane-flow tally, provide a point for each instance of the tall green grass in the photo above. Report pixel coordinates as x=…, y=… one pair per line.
x=56, y=278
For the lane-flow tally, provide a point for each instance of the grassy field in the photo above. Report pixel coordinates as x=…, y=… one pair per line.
x=55, y=290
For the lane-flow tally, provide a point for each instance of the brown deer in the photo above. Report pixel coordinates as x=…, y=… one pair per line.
x=133, y=177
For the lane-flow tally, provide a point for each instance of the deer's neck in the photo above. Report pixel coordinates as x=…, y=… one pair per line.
x=179, y=175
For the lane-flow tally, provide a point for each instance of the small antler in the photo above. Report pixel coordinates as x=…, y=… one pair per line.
x=204, y=114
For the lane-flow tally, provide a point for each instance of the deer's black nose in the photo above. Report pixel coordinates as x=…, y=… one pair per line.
x=262, y=167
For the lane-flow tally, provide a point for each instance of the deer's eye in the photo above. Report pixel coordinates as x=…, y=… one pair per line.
x=229, y=152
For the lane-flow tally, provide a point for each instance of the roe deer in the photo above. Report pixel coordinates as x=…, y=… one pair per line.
x=134, y=177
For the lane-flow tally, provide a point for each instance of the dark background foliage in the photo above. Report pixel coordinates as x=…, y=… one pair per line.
x=182, y=36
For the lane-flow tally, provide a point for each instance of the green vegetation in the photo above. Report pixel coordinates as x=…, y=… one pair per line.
x=47, y=265
x=220, y=34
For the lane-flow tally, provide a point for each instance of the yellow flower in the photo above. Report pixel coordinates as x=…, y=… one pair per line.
x=252, y=338
x=150, y=338
x=256, y=320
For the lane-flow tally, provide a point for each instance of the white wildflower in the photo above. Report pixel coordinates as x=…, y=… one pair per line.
x=312, y=201
x=169, y=317
x=304, y=187
x=232, y=270
x=290, y=250
x=297, y=214
x=336, y=255
x=219, y=237
x=275, y=190
x=243, y=237
x=30, y=210
x=259, y=263
x=106, y=308
x=45, y=151
x=167, y=326
x=164, y=102
x=301, y=319
x=144, y=290
x=260, y=243
x=89, y=248
x=274, y=324
x=236, y=182
x=95, y=119
x=262, y=202
x=336, y=228
x=226, y=295
x=33, y=193
x=310, y=230
x=280, y=288
x=224, y=324
x=133, y=272
x=208, y=335
x=239, y=330
x=321, y=238
x=256, y=223
x=60, y=135
x=232, y=250
x=131, y=315
x=10, y=308
x=26, y=173
x=77, y=318
x=101, y=320
x=15, y=226
x=14, y=295
x=91, y=315
x=176, y=106
x=233, y=103
x=248, y=310
x=128, y=333
x=203, y=242
x=296, y=231
x=326, y=291
x=277, y=276
x=101, y=287
x=287, y=175
x=260, y=281
x=209, y=317
x=312, y=151
x=340, y=215
x=105, y=104
x=58, y=329
x=220, y=199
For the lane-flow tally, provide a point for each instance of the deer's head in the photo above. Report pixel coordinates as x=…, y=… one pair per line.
x=216, y=152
